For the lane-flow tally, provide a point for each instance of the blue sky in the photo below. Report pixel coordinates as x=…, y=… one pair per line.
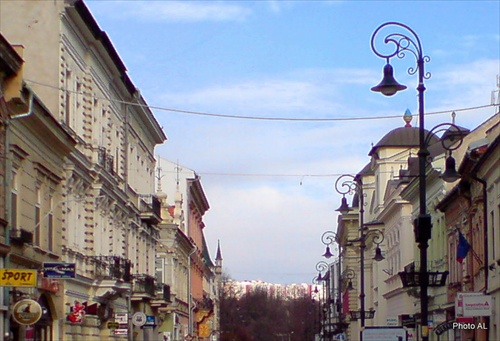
x=270, y=182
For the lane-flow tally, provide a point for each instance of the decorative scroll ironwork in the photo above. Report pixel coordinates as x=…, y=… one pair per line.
x=402, y=44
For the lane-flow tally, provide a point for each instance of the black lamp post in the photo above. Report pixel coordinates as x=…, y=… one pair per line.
x=348, y=184
x=389, y=86
x=323, y=269
x=317, y=326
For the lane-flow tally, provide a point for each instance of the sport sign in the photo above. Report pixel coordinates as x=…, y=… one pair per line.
x=17, y=278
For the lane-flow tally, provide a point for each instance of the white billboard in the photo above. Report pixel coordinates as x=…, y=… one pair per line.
x=478, y=305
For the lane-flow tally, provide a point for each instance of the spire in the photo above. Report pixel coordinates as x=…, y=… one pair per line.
x=407, y=117
x=218, y=257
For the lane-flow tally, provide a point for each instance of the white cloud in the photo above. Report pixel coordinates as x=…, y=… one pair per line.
x=302, y=93
x=261, y=97
x=264, y=239
x=178, y=11
x=264, y=222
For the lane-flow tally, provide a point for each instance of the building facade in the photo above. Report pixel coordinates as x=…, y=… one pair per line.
x=185, y=258
x=10, y=92
x=83, y=193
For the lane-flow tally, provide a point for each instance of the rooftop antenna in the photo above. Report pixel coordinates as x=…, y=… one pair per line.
x=177, y=170
x=158, y=175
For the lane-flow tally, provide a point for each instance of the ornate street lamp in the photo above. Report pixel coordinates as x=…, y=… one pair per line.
x=328, y=238
x=348, y=184
x=404, y=44
x=323, y=269
x=348, y=275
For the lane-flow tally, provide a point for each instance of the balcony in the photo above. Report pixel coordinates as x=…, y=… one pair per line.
x=113, y=276
x=162, y=298
x=112, y=268
x=106, y=160
x=143, y=288
x=150, y=209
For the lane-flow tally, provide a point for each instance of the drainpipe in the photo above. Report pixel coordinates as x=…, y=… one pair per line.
x=8, y=168
x=8, y=206
x=485, y=237
x=190, y=304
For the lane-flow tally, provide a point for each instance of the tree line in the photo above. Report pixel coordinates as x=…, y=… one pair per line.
x=259, y=316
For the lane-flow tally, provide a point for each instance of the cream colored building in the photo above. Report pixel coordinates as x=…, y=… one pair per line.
x=184, y=259
x=97, y=199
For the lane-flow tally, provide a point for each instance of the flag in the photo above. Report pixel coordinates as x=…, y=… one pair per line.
x=462, y=248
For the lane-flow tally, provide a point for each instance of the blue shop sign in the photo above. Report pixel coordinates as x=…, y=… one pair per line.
x=59, y=270
x=150, y=321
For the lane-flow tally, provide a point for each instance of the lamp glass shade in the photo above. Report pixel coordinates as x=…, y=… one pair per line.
x=450, y=173
x=327, y=253
x=344, y=206
x=388, y=86
x=349, y=286
x=378, y=255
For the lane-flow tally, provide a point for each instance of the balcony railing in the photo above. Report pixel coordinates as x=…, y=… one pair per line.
x=105, y=160
x=144, y=284
x=163, y=292
x=112, y=268
x=150, y=208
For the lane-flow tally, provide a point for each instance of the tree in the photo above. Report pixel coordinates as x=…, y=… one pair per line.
x=258, y=316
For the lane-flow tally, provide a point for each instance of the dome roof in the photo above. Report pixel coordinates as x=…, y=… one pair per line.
x=401, y=137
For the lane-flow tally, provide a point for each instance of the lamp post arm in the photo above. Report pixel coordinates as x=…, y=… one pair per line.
x=402, y=44
x=329, y=237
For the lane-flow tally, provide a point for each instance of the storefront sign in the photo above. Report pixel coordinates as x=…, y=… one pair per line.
x=77, y=312
x=392, y=321
x=26, y=312
x=139, y=319
x=48, y=284
x=122, y=331
x=59, y=270
x=113, y=325
x=150, y=321
x=408, y=320
x=459, y=303
x=479, y=305
x=121, y=318
x=384, y=333
x=17, y=278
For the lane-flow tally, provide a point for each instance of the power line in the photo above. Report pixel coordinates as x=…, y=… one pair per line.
x=260, y=118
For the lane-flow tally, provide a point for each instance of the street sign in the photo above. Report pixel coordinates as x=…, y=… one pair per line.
x=59, y=270
x=120, y=331
x=113, y=325
x=17, y=278
x=139, y=319
x=121, y=318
